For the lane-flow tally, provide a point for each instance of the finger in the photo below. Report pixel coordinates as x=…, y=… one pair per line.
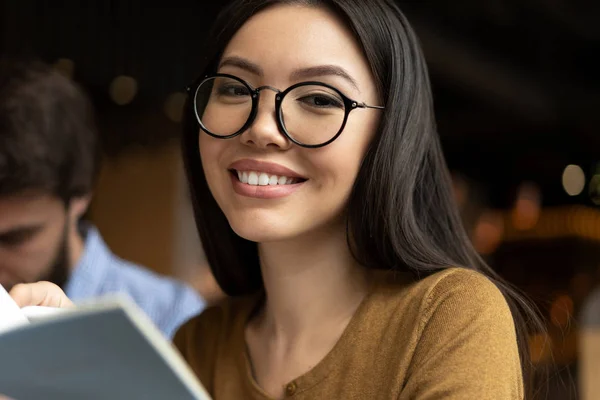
x=39, y=294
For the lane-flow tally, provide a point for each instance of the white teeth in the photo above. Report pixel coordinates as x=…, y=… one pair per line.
x=252, y=178
x=263, y=179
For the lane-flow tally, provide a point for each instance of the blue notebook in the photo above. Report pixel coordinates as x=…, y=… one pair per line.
x=108, y=349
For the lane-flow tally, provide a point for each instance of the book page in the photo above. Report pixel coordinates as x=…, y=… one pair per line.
x=107, y=349
x=10, y=313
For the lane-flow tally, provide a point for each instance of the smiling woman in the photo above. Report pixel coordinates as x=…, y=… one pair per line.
x=325, y=209
x=321, y=193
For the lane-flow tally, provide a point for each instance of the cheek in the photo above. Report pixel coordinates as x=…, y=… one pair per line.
x=32, y=258
x=211, y=152
x=342, y=159
x=208, y=148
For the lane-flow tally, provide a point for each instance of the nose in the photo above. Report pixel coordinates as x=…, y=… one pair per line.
x=264, y=132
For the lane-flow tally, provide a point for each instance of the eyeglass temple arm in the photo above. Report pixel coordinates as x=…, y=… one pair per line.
x=363, y=105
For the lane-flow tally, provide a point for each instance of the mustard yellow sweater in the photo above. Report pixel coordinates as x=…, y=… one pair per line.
x=448, y=336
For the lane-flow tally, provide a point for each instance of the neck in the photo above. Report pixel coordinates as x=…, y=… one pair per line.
x=75, y=245
x=312, y=284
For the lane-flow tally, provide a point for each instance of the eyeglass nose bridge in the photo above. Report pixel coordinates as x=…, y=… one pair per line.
x=256, y=99
x=265, y=87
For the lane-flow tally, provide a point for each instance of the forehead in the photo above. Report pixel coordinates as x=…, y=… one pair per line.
x=28, y=208
x=284, y=37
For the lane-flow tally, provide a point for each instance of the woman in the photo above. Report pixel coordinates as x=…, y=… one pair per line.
x=325, y=209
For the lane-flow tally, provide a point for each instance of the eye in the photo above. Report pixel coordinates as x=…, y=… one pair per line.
x=321, y=101
x=17, y=238
x=232, y=89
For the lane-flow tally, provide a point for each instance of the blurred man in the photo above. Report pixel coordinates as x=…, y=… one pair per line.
x=48, y=163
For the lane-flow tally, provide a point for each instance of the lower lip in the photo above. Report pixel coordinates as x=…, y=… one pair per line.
x=263, y=192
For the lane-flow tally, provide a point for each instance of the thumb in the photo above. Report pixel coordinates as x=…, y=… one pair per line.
x=39, y=294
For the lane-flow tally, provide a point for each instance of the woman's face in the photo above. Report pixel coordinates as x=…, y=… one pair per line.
x=269, y=188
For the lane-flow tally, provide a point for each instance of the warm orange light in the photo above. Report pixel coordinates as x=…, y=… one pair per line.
x=540, y=347
x=488, y=232
x=461, y=190
x=561, y=311
x=526, y=212
x=569, y=221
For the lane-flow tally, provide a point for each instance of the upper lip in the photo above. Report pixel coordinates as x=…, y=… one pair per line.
x=264, y=166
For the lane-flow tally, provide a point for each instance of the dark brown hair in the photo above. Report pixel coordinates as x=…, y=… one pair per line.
x=48, y=138
x=401, y=214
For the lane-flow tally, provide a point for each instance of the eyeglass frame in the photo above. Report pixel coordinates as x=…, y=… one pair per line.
x=349, y=106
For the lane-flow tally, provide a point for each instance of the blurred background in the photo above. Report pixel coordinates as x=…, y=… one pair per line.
x=517, y=95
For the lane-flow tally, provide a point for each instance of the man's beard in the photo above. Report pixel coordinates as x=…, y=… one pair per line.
x=60, y=268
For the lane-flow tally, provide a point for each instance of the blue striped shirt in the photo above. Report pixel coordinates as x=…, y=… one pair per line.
x=168, y=302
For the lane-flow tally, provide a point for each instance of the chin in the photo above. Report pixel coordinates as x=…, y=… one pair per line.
x=261, y=228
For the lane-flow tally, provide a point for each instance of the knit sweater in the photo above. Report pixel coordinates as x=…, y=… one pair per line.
x=450, y=335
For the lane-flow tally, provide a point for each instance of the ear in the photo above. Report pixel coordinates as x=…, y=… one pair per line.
x=78, y=206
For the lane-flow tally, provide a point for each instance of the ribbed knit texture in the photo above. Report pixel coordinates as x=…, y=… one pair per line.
x=448, y=336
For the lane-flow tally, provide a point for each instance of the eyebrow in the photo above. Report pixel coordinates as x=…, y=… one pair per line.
x=241, y=63
x=303, y=73
x=324, y=70
x=20, y=232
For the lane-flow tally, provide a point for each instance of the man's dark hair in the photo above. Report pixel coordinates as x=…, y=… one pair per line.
x=48, y=137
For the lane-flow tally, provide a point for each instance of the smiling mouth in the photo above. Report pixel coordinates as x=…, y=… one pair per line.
x=256, y=178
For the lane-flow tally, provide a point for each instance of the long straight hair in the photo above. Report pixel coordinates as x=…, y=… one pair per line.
x=401, y=213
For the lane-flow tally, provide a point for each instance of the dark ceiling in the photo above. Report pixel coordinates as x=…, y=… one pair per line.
x=515, y=81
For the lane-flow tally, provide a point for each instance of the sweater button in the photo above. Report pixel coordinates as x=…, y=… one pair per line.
x=290, y=389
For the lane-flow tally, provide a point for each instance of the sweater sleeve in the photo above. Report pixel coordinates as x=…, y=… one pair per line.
x=467, y=347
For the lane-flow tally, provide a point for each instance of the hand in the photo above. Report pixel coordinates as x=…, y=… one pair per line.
x=45, y=294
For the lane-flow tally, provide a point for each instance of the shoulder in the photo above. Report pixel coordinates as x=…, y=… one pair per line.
x=100, y=272
x=461, y=298
x=468, y=288
x=460, y=321
x=167, y=301
x=454, y=289
x=453, y=304
x=142, y=283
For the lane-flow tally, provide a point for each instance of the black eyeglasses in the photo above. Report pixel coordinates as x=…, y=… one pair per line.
x=310, y=114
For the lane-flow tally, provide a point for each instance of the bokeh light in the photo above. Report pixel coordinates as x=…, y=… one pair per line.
x=65, y=66
x=573, y=180
x=526, y=212
x=488, y=232
x=561, y=311
x=123, y=89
